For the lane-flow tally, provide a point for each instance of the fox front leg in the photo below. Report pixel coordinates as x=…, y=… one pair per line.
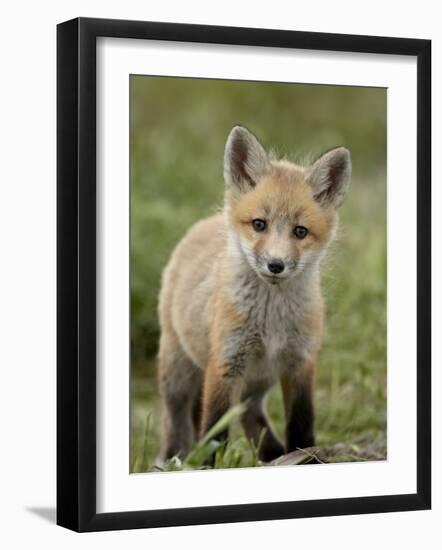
x=224, y=373
x=297, y=387
x=256, y=423
x=217, y=393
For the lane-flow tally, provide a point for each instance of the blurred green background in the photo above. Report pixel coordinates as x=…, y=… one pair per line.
x=178, y=131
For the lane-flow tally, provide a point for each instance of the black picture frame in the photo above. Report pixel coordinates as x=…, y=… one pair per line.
x=76, y=273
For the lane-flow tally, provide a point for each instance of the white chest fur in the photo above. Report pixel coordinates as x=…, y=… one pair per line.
x=275, y=321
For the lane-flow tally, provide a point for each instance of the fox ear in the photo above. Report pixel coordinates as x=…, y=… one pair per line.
x=330, y=177
x=245, y=160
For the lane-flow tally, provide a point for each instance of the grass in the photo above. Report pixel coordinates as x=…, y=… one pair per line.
x=178, y=129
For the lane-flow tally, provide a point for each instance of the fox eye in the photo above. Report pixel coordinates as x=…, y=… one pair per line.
x=259, y=225
x=300, y=232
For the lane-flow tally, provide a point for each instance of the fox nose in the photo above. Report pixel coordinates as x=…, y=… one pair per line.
x=276, y=265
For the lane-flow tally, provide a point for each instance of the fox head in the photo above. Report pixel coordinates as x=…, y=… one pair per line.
x=282, y=216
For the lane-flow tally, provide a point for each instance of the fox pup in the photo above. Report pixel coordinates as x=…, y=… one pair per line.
x=241, y=305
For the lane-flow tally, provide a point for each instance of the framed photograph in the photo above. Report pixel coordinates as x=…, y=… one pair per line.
x=243, y=274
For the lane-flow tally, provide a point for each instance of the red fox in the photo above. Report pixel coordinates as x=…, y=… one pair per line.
x=241, y=306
